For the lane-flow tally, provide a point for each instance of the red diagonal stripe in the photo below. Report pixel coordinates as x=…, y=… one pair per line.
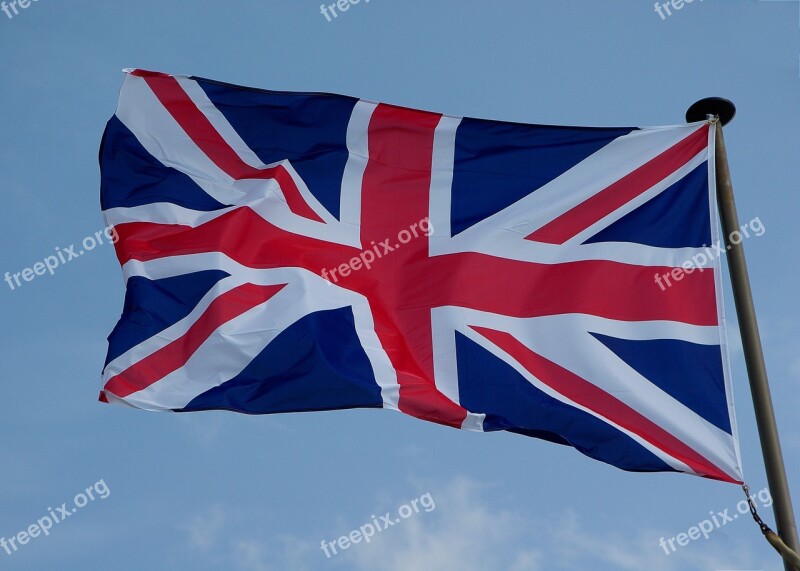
x=197, y=126
x=597, y=400
x=579, y=218
x=171, y=357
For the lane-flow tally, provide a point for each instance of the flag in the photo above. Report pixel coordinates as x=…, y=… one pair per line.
x=288, y=252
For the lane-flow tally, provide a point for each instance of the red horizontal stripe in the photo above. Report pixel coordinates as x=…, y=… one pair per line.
x=597, y=400
x=497, y=285
x=240, y=234
x=524, y=289
x=171, y=357
x=603, y=203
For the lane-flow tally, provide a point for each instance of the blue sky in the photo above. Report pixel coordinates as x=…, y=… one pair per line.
x=222, y=491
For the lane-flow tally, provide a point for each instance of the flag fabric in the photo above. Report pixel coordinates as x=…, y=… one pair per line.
x=288, y=252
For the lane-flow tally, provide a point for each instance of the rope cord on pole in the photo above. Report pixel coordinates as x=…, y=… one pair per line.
x=773, y=538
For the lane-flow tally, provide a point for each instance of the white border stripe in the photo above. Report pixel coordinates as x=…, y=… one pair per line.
x=716, y=236
x=162, y=213
x=442, y=166
x=444, y=148
x=358, y=156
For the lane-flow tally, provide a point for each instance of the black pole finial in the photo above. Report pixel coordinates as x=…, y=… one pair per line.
x=716, y=106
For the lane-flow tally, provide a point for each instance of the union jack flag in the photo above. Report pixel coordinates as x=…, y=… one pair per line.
x=302, y=251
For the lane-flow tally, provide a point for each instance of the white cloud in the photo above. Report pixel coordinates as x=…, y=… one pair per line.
x=250, y=555
x=205, y=528
x=470, y=534
x=466, y=532
x=572, y=547
x=225, y=539
x=462, y=533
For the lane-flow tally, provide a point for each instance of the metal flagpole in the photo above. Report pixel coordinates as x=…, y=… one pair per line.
x=723, y=111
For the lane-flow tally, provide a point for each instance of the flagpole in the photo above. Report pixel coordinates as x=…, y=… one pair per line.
x=724, y=110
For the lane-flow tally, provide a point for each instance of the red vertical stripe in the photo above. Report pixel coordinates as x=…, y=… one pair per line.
x=395, y=195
